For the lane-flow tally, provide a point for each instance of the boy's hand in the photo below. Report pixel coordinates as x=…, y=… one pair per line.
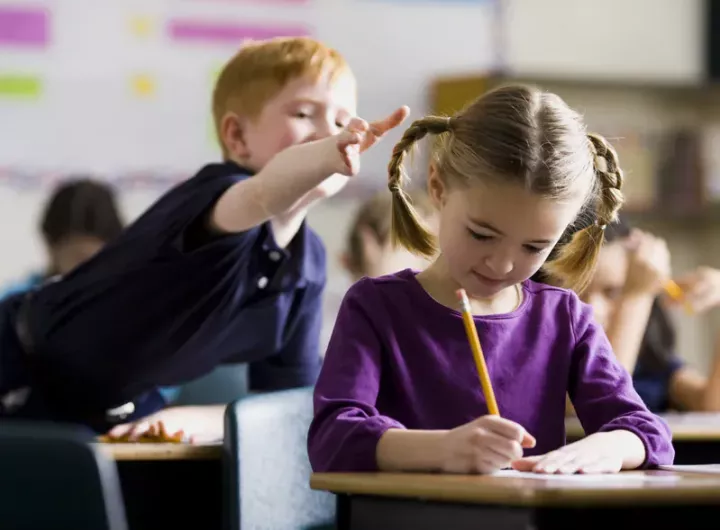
x=359, y=136
x=484, y=445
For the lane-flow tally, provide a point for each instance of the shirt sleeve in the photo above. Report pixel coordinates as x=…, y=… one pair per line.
x=347, y=425
x=181, y=218
x=602, y=391
x=298, y=362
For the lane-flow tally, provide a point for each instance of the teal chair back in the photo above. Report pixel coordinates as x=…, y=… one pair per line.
x=53, y=477
x=225, y=384
x=269, y=471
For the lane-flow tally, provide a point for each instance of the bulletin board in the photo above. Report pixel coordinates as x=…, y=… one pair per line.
x=121, y=88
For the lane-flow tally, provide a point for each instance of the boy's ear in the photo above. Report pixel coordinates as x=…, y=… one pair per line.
x=232, y=135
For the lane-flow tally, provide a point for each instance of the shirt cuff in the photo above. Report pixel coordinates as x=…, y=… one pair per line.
x=658, y=447
x=360, y=455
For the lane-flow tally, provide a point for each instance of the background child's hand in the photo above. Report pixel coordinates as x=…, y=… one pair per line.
x=195, y=423
x=359, y=136
x=701, y=289
x=648, y=263
x=167, y=420
x=484, y=445
x=598, y=453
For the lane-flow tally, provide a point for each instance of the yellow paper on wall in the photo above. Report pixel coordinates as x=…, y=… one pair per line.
x=143, y=85
x=141, y=26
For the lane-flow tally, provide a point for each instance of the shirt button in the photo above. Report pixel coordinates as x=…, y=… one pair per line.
x=274, y=255
x=262, y=282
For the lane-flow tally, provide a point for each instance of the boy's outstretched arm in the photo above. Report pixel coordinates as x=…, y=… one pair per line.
x=281, y=189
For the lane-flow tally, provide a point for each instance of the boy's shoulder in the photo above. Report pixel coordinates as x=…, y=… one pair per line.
x=226, y=171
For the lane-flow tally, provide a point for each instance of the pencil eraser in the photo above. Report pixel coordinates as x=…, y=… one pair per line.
x=463, y=297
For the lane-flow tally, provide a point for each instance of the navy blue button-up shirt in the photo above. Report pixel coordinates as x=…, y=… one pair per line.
x=168, y=301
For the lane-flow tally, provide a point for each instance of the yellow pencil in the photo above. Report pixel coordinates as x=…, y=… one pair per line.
x=477, y=352
x=676, y=293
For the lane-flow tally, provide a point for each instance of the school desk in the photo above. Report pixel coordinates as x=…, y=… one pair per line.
x=380, y=501
x=696, y=436
x=170, y=485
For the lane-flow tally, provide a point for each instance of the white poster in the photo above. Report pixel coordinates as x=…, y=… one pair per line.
x=122, y=88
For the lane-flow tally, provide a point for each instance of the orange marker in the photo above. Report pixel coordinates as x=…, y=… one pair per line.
x=477, y=352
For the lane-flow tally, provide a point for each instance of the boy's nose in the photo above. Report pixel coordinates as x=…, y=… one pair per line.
x=325, y=128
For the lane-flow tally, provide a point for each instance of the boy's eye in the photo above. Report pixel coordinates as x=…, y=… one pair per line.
x=302, y=114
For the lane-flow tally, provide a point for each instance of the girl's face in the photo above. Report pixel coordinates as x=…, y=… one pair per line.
x=607, y=282
x=493, y=236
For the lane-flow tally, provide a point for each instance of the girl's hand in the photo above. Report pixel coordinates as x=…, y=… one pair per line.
x=484, y=445
x=701, y=289
x=598, y=453
x=648, y=263
x=359, y=136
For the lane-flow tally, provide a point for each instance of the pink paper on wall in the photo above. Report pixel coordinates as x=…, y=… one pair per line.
x=263, y=2
x=184, y=30
x=24, y=26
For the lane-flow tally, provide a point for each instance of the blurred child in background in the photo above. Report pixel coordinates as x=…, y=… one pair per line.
x=80, y=217
x=369, y=250
x=626, y=293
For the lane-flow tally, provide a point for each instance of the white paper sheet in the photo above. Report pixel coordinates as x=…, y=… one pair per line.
x=712, y=469
x=581, y=478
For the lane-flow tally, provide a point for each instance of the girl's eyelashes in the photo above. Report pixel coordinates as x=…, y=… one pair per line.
x=485, y=237
x=479, y=237
x=533, y=250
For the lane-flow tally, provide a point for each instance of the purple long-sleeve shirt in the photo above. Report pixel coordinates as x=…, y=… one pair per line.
x=399, y=359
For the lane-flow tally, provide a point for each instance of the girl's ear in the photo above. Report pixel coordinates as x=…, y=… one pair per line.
x=436, y=189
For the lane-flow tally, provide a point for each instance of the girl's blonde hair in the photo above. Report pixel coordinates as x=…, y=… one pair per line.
x=375, y=215
x=517, y=134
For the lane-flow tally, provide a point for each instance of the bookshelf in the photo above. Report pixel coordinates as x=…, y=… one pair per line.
x=667, y=137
